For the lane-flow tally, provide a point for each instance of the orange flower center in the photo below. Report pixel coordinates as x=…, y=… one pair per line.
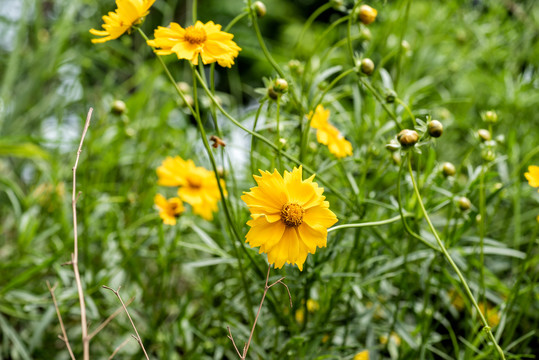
x=292, y=214
x=194, y=35
x=194, y=181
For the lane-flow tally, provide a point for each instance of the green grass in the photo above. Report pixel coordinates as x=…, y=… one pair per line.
x=463, y=58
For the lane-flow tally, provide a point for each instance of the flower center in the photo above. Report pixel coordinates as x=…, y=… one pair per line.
x=194, y=35
x=194, y=181
x=292, y=214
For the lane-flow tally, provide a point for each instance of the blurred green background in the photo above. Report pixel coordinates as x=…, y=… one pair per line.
x=460, y=59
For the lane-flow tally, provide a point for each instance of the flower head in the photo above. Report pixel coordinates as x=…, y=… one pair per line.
x=128, y=14
x=290, y=217
x=328, y=134
x=206, y=40
x=533, y=176
x=363, y=355
x=367, y=14
x=169, y=209
x=197, y=185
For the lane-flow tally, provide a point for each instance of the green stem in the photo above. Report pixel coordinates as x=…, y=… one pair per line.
x=367, y=224
x=349, y=32
x=257, y=116
x=278, y=135
x=381, y=101
x=399, y=56
x=482, y=212
x=407, y=108
x=448, y=257
x=310, y=21
x=272, y=145
x=235, y=20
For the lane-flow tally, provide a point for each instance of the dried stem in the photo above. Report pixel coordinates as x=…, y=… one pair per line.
x=243, y=354
x=119, y=348
x=117, y=293
x=109, y=319
x=75, y=254
x=64, y=334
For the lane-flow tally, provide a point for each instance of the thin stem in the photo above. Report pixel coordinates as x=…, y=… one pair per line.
x=139, y=340
x=349, y=32
x=64, y=334
x=482, y=212
x=278, y=135
x=448, y=257
x=255, y=122
x=399, y=55
x=235, y=20
x=75, y=254
x=272, y=145
x=381, y=101
x=407, y=108
x=109, y=319
x=310, y=21
x=367, y=224
x=266, y=288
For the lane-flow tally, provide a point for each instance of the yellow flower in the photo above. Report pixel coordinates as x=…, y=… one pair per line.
x=289, y=217
x=328, y=134
x=128, y=13
x=393, y=337
x=206, y=40
x=533, y=175
x=364, y=355
x=300, y=316
x=312, y=305
x=197, y=186
x=493, y=317
x=169, y=209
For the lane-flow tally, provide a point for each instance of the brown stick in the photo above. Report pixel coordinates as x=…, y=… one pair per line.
x=243, y=355
x=75, y=254
x=139, y=340
x=64, y=334
x=109, y=319
x=119, y=347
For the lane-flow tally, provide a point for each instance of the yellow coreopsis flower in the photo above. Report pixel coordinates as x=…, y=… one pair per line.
x=290, y=217
x=328, y=134
x=197, y=185
x=206, y=40
x=533, y=175
x=363, y=355
x=128, y=14
x=169, y=209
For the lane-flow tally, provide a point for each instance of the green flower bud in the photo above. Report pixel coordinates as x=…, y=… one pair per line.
x=448, y=169
x=484, y=135
x=435, y=128
x=366, y=66
x=280, y=86
x=391, y=95
x=408, y=138
x=464, y=204
x=118, y=107
x=490, y=116
x=260, y=8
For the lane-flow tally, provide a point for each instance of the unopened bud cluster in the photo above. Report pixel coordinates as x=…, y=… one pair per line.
x=278, y=88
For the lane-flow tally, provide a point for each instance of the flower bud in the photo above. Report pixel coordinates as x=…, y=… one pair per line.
x=183, y=86
x=337, y=4
x=118, y=107
x=408, y=138
x=366, y=66
x=273, y=95
x=260, y=8
x=365, y=34
x=464, y=204
x=280, y=86
x=490, y=116
x=396, y=158
x=435, y=128
x=367, y=14
x=484, y=135
x=295, y=66
x=448, y=169
x=391, y=95
x=488, y=155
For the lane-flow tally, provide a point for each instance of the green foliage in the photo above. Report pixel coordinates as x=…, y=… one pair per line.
x=190, y=281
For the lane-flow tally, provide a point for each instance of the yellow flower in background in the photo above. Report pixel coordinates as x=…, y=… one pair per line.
x=197, y=186
x=206, y=40
x=312, y=305
x=128, y=14
x=329, y=135
x=290, y=217
x=533, y=175
x=364, y=355
x=493, y=317
x=169, y=209
x=393, y=337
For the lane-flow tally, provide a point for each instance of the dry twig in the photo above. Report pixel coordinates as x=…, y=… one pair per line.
x=64, y=334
